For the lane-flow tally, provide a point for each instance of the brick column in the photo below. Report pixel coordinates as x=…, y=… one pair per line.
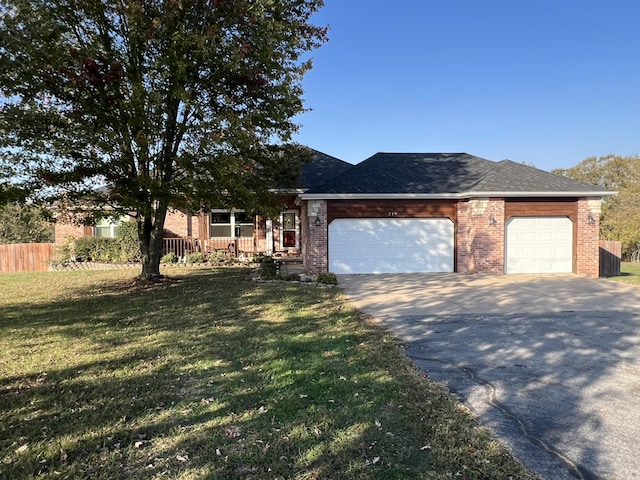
x=588, y=237
x=315, y=237
x=480, y=236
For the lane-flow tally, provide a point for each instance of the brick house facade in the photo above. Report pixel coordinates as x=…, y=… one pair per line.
x=479, y=238
x=411, y=212
x=479, y=207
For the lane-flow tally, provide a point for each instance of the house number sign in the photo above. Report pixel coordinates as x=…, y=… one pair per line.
x=392, y=214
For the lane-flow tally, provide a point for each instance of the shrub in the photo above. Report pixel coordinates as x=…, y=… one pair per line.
x=257, y=257
x=65, y=252
x=217, y=257
x=267, y=269
x=328, y=278
x=197, y=257
x=290, y=277
x=98, y=249
x=127, y=237
x=169, y=258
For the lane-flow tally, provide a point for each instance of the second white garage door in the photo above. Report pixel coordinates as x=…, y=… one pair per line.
x=539, y=245
x=403, y=245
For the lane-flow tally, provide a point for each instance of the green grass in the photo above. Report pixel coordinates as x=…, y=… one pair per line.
x=629, y=273
x=210, y=375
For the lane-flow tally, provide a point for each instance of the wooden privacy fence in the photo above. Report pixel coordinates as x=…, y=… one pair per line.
x=25, y=257
x=610, y=253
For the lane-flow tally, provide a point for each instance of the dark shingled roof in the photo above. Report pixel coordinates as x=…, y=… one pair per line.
x=444, y=173
x=509, y=176
x=321, y=169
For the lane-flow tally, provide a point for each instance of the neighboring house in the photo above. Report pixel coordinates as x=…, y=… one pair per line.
x=411, y=212
x=450, y=212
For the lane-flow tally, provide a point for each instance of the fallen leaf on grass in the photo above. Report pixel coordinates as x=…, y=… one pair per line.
x=23, y=448
x=232, y=431
x=182, y=458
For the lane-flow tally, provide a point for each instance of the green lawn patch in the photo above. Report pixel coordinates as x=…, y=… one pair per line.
x=210, y=375
x=629, y=273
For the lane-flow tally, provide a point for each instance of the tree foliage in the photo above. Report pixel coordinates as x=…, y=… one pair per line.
x=620, y=219
x=20, y=223
x=165, y=102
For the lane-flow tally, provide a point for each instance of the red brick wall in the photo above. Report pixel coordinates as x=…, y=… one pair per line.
x=178, y=224
x=65, y=230
x=480, y=236
x=479, y=240
x=588, y=238
x=315, y=250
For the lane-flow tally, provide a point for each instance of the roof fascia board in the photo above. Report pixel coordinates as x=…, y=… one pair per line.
x=442, y=196
x=288, y=191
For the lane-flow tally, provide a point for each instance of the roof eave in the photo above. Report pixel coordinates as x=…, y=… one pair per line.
x=451, y=196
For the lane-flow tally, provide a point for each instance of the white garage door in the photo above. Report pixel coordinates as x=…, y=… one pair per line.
x=399, y=245
x=539, y=245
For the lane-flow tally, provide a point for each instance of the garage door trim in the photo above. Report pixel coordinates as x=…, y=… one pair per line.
x=539, y=244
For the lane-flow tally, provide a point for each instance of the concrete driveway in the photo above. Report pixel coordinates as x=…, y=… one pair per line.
x=550, y=363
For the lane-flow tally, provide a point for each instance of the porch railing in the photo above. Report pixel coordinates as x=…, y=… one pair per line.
x=229, y=245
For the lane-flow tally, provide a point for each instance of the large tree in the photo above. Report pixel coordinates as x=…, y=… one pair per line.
x=24, y=223
x=167, y=103
x=620, y=214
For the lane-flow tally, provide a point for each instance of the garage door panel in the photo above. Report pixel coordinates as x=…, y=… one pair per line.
x=390, y=245
x=539, y=245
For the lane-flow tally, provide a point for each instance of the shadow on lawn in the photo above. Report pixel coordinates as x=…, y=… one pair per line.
x=208, y=373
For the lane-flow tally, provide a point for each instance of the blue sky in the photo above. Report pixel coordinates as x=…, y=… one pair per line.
x=543, y=82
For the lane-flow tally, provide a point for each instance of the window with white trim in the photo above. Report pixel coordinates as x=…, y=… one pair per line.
x=225, y=223
x=289, y=229
x=108, y=227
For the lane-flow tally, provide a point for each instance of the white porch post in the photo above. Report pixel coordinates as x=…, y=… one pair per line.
x=269, y=228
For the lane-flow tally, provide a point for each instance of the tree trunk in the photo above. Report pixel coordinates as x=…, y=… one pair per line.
x=150, y=234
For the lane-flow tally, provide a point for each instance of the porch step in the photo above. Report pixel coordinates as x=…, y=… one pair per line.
x=290, y=266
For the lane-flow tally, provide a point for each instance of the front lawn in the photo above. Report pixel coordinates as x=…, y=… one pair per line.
x=211, y=375
x=629, y=273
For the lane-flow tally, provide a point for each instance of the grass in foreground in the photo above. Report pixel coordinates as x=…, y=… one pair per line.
x=629, y=273
x=213, y=376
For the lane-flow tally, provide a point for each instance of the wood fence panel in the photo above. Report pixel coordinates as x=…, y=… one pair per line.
x=25, y=257
x=610, y=253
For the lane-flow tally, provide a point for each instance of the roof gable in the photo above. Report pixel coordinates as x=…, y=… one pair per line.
x=320, y=169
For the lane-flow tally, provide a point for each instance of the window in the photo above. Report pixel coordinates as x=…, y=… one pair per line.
x=220, y=224
x=231, y=224
x=289, y=230
x=243, y=224
x=108, y=227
